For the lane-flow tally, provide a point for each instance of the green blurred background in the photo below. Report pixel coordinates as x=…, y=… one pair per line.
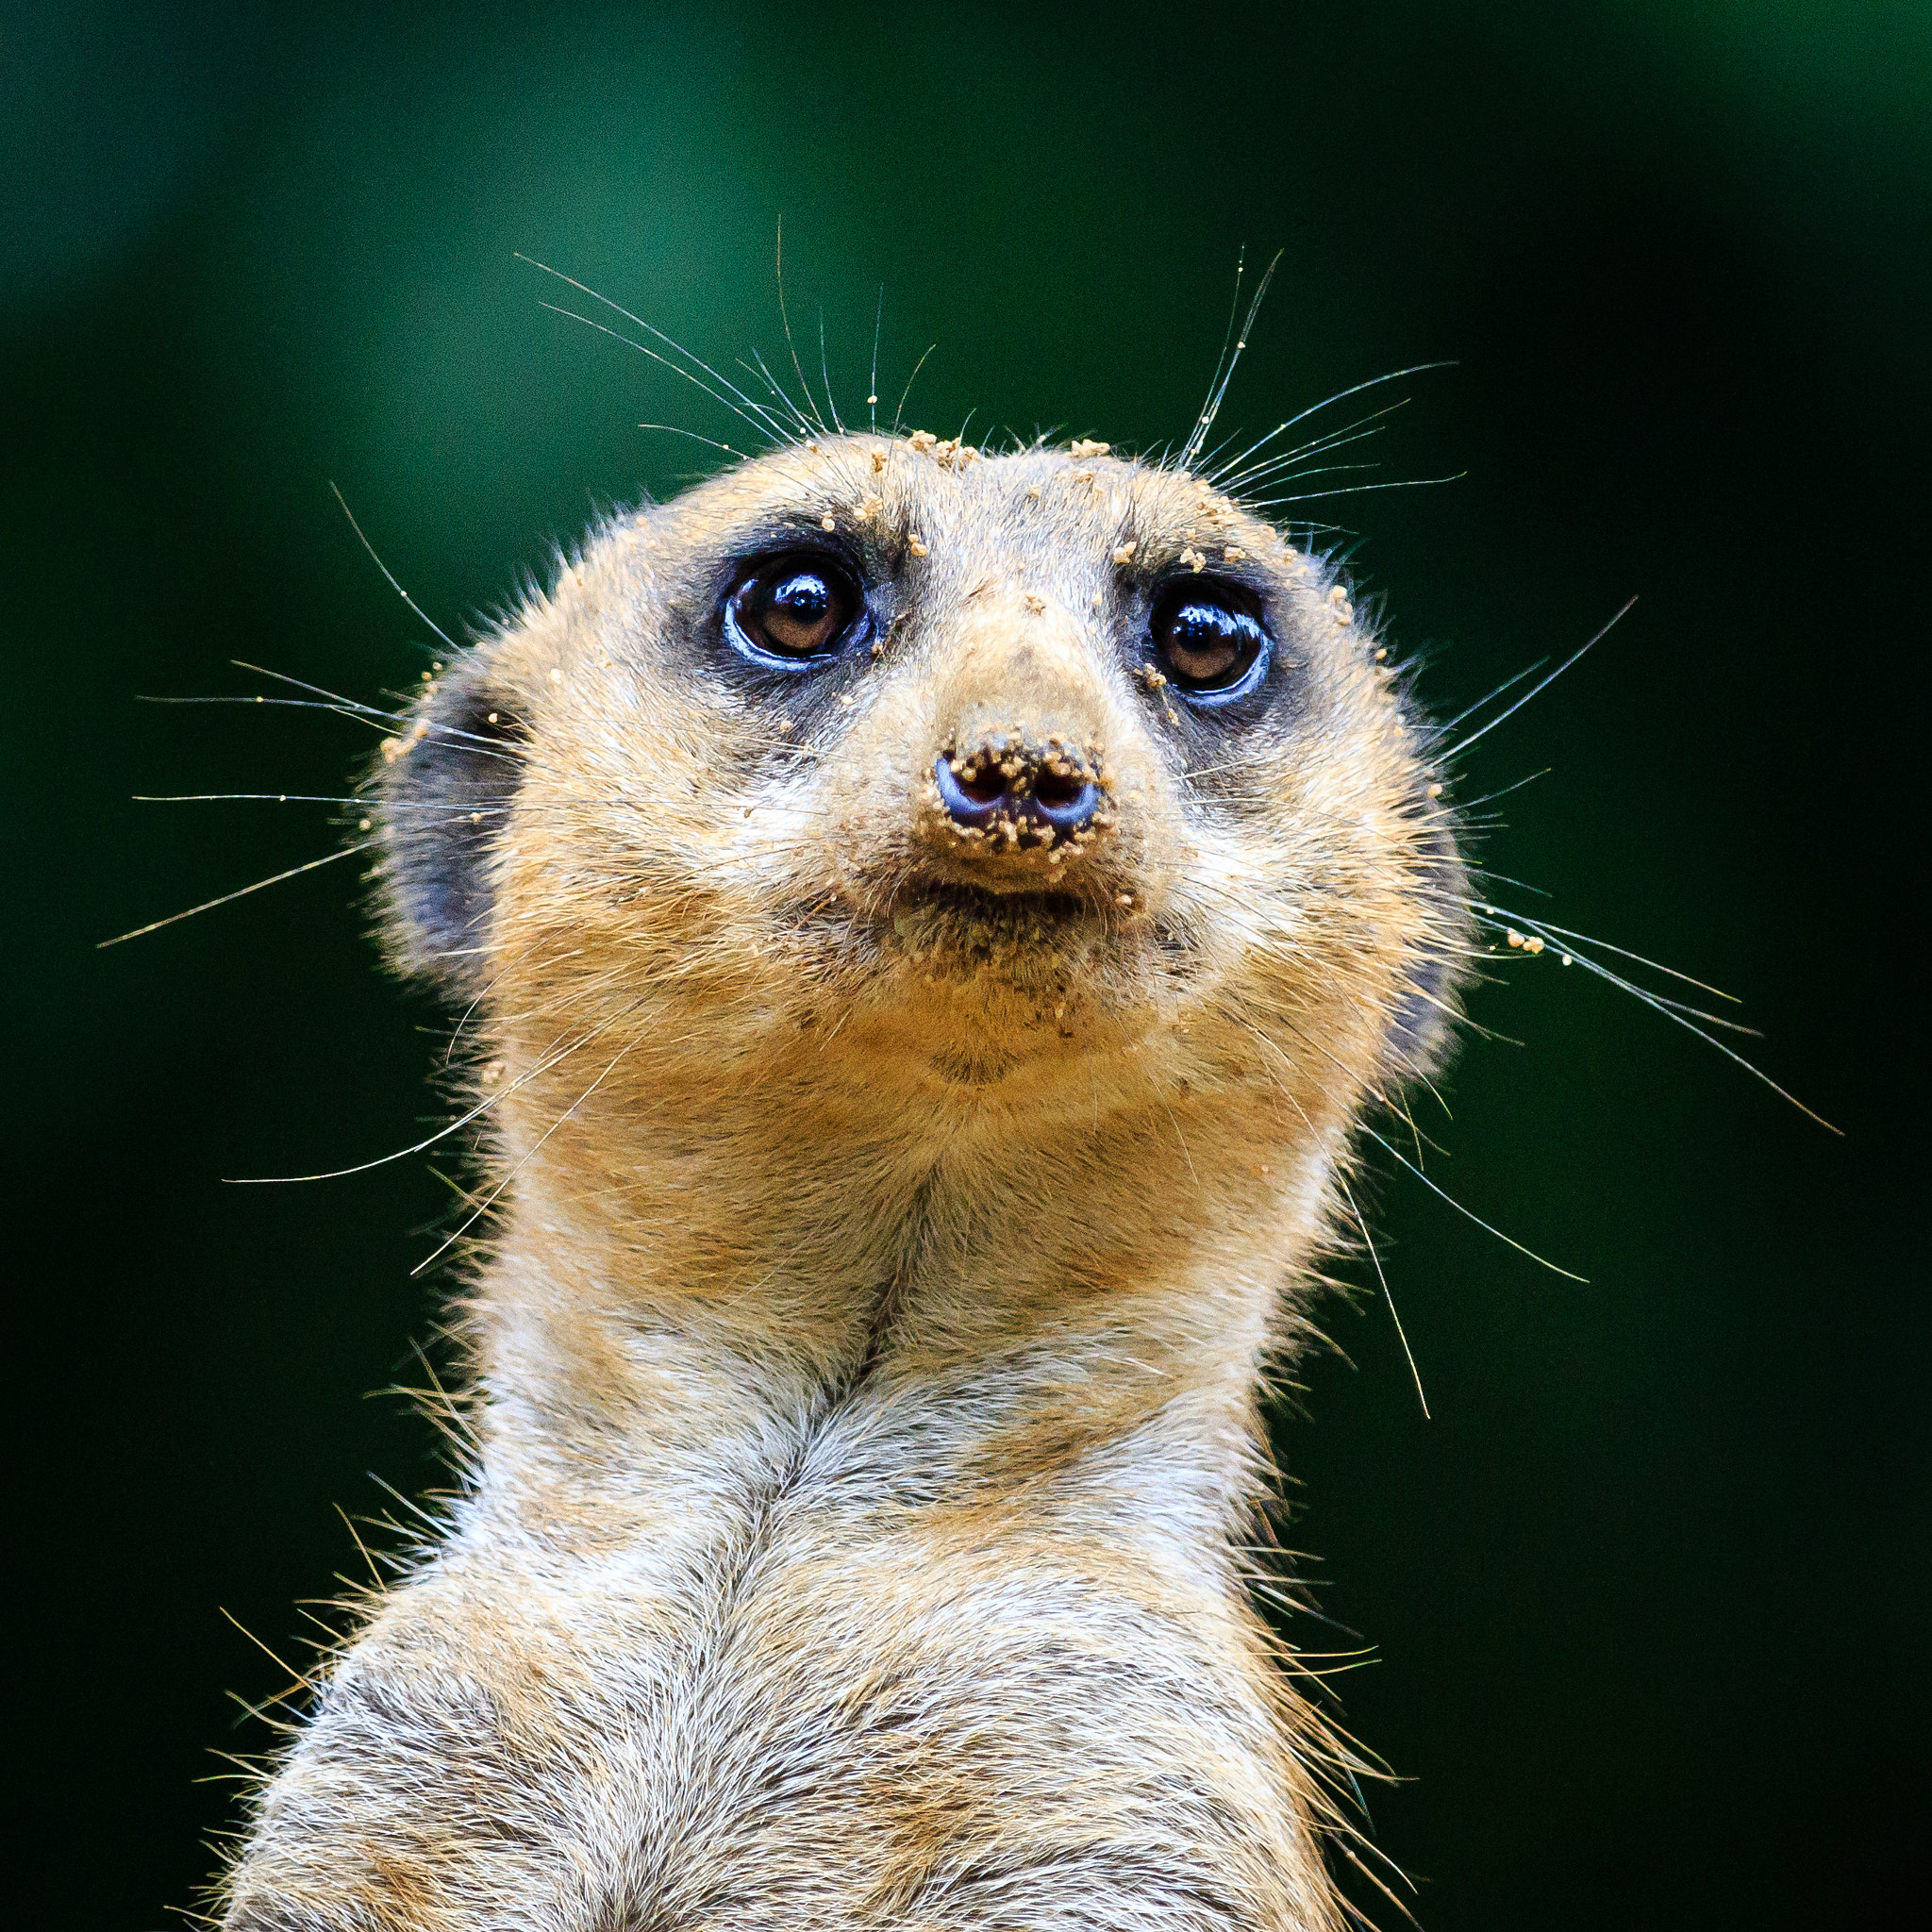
x=1645, y=1596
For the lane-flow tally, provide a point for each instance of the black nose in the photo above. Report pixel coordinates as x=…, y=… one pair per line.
x=1029, y=789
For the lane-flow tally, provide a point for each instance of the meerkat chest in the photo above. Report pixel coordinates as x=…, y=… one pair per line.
x=840, y=1705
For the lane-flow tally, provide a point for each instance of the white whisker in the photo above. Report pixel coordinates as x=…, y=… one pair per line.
x=240, y=892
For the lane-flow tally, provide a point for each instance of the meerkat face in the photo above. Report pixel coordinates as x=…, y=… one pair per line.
x=969, y=772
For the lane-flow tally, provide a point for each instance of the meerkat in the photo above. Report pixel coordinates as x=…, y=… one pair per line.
x=927, y=927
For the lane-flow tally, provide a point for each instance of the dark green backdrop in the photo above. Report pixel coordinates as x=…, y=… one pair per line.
x=1644, y=1597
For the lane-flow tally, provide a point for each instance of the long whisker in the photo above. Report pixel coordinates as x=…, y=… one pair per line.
x=1231, y=480
x=1361, y=1222
x=785, y=318
x=336, y=1174
x=1275, y=1047
x=1543, y=684
x=899, y=414
x=1687, y=1018
x=343, y=708
x=1292, y=474
x=1289, y=468
x=1369, y=1242
x=491, y=746
x=673, y=430
x=1341, y=396
x=753, y=413
x=489, y=1200
x=334, y=697
x=240, y=892
x=390, y=574
x=1358, y=489
x=357, y=714
x=872, y=398
x=1321, y=445
x=1570, y=956
x=1217, y=390
x=757, y=367
x=670, y=343
x=1623, y=952
x=825, y=377
x=1449, y=725
x=1464, y=806
x=375, y=715
x=290, y=798
x=1390, y=1149
x=1344, y=433
x=1191, y=448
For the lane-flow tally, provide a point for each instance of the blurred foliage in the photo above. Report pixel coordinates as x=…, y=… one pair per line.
x=1646, y=1595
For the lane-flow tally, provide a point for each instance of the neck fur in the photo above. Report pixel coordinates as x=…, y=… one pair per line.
x=958, y=1312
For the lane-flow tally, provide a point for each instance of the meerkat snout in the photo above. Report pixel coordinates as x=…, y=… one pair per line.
x=1023, y=716
x=1043, y=792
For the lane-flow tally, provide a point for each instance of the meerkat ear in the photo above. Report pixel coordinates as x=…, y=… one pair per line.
x=445, y=790
x=1422, y=1032
x=1422, y=1035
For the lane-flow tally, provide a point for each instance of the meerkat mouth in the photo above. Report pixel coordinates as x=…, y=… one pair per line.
x=947, y=921
x=981, y=902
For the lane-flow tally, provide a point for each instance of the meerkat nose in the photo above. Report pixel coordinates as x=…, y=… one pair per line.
x=1069, y=799
x=978, y=787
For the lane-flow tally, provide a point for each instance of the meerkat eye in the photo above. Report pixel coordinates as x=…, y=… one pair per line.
x=793, y=610
x=1209, y=641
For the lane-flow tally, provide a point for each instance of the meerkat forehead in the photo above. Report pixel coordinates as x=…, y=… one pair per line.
x=1075, y=517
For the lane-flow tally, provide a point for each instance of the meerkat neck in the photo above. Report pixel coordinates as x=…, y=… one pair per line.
x=667, y=1336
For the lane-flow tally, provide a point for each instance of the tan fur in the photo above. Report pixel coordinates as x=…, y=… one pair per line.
x=872, y=1324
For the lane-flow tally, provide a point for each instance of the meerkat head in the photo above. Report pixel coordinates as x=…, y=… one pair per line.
x=882, y=768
